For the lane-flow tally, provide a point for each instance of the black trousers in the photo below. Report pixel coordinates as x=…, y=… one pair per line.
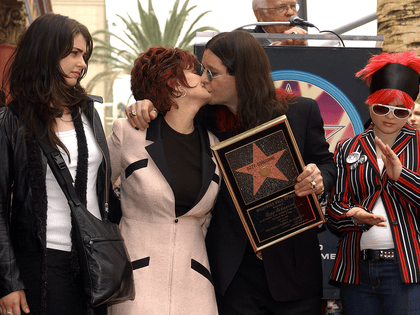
x=65, y=294
x=249, y=294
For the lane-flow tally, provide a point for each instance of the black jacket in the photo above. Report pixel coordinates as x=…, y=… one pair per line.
x=259, y=30
x=293, y=266
x=19, y=227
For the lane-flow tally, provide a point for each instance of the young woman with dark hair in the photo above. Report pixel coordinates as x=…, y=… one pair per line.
x=169, y=183
x=36, y=76
x=39, y=271
x=288, y=278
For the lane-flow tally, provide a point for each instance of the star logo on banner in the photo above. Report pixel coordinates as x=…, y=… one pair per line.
x=263, y=167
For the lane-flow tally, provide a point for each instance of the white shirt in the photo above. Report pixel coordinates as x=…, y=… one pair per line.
x=58, y=213
x=378, y=237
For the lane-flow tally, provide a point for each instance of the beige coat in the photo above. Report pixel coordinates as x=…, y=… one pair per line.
x=171, y=269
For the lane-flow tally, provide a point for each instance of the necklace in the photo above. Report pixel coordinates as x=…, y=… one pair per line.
x=61, y=118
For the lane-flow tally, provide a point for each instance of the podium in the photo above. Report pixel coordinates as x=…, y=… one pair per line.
x=325, y=73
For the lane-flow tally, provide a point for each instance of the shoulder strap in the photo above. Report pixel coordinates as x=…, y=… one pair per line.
x=95, y=98
x=59, y=169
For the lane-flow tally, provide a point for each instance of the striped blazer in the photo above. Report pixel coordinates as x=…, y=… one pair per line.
x=361, y=186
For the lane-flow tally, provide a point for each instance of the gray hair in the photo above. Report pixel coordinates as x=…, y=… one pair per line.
x=256, y=4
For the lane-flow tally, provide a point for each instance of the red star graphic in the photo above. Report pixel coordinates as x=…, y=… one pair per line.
x=262, y=167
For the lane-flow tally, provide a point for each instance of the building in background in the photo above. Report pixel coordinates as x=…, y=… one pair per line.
x=17, y=15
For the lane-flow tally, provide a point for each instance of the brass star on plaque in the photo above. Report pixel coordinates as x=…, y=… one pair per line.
x=263, y=167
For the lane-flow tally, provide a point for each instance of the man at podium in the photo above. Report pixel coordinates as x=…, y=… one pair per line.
x=277, y=11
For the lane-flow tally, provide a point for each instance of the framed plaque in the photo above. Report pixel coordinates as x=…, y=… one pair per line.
x=260, y=168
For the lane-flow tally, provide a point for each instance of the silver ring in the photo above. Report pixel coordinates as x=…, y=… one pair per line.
x=9, y=312
x=133, y=112
x=294, y=32
x=313, y=185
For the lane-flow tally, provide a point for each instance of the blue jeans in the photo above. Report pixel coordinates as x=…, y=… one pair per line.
x=380, y=292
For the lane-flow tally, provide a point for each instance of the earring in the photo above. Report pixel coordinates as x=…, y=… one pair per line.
x=185, y=92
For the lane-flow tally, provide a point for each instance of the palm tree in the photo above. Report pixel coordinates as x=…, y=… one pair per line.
x=399, y=24
x=139, y=36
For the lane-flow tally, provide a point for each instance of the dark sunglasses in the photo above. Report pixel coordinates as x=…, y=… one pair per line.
x=200, y=70
x=398, y=112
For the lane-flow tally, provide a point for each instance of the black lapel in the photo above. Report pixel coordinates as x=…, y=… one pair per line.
x=207, y=165
x=403, y=139
x=93, y=118
x=259, y=29
x=367, y=142
x=155, y=149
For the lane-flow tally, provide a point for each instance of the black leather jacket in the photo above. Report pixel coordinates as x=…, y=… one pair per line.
x=17, y=225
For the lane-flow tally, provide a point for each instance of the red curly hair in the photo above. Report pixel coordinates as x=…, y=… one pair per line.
x=386, y=95
x=158, y=72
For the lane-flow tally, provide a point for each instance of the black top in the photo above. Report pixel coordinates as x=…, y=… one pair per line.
x=183, y=154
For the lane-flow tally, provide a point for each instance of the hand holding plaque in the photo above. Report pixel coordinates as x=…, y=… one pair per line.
x=260, y=168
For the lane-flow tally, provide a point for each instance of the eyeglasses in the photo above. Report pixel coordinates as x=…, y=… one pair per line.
x=282, y=8
x=200, y=70
x=398, y=112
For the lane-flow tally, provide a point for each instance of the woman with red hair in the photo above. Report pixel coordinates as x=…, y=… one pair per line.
x=377, y=196
x=169, y=183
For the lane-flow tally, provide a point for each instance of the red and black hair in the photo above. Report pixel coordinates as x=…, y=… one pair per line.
x=392, y=76
x=158, y=72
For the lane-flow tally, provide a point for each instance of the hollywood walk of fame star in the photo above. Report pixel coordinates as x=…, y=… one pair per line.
x=263, y=167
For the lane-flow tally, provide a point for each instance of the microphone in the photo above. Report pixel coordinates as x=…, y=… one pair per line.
x=297, y=21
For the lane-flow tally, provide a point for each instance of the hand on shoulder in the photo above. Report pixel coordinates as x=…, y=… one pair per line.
x=140, y=114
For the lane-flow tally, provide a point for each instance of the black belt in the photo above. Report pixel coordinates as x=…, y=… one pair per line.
x=377, y=254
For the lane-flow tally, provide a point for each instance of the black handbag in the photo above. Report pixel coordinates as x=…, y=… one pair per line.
x=106, y=267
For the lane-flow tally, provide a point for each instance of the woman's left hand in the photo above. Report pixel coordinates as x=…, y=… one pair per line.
x=309, y=181
x=140, y=114
x=391, y=161
x=361, y=216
